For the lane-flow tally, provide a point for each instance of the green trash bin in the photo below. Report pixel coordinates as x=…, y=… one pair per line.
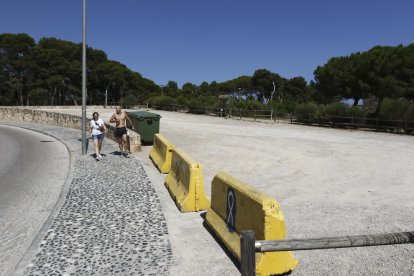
x=147, y=124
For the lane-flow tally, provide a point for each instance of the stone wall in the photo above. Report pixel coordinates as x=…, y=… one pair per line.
x=27, y=115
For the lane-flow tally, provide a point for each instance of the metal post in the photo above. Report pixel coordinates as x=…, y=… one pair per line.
x=247, y=252
x=84, y=80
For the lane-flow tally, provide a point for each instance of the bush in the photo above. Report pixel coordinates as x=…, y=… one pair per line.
x=203, y=104
x=129, y=100
x=163, y=101
x=356, y=111
x=335, y=110
x=305, y=112
x=254, y=105
x=38, y=96
x=288, y=106
x=183, y=102
x=394, y=109
x=343, y=110
x=409, y=114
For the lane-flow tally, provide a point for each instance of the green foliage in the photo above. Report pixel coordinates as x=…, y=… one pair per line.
x=129, y=99
x=201, y=104
x=38, y=96
x=189, y=88
x=254, y=105
x=341, y=110
x=263, y=81
x=287, y=106
x=394, y=109
x=49, y=72
x=357, y=112
x=306, y=111
x=163, y=101
x=183, y=101
x=54, y=65
x=335, y=109
x=296, y=90
x=16, y=71
x=409, y=114
x=384, y=72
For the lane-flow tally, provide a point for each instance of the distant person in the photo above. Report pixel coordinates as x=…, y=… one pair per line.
x=97, y=129
x=120, y=133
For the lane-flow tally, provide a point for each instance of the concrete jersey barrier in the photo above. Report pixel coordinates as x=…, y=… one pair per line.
x=161, y=153
x=185, y=183
x=236, y=206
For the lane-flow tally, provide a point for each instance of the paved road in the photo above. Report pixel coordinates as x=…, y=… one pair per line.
x=33, y=168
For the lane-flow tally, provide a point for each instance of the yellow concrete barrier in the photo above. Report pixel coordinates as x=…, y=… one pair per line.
x=161, y=153
x=235, y=206
x=186, y=184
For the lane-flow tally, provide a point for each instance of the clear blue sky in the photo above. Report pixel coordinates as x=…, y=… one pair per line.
x=206, y=40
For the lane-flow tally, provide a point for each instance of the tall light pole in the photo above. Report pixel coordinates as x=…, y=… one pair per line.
x=106, y=90
x=84, y=79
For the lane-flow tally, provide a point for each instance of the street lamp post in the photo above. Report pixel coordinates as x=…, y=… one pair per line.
x=106, y=90
x=84, y=79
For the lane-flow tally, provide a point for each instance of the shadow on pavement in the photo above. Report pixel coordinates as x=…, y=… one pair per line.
x=219, y=242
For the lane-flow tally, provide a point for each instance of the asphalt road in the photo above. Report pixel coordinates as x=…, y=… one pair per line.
x=33, y=170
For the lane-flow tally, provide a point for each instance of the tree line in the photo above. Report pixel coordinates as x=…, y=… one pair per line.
x=49, y=73
x=382, y=72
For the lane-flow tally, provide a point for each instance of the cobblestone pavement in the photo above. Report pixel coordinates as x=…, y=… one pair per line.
x=111, y=222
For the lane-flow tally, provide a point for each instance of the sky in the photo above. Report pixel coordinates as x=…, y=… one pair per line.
x=217, y=40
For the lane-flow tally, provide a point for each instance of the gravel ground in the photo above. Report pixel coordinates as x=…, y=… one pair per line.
x=111, y=221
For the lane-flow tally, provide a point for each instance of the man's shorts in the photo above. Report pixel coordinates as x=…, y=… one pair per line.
x=99, y=137
x=119, y=132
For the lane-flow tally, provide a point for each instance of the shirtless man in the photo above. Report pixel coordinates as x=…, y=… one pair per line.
x=120, y=133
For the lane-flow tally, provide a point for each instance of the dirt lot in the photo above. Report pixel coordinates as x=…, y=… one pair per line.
x=329, y=182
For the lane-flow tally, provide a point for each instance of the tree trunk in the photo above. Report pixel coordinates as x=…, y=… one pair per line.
x=21, y=91
x=379, y=106
x=53, y=96
x=73, y=99
x=356, y=100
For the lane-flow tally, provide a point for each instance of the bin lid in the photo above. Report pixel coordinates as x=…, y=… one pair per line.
x=144, y=115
